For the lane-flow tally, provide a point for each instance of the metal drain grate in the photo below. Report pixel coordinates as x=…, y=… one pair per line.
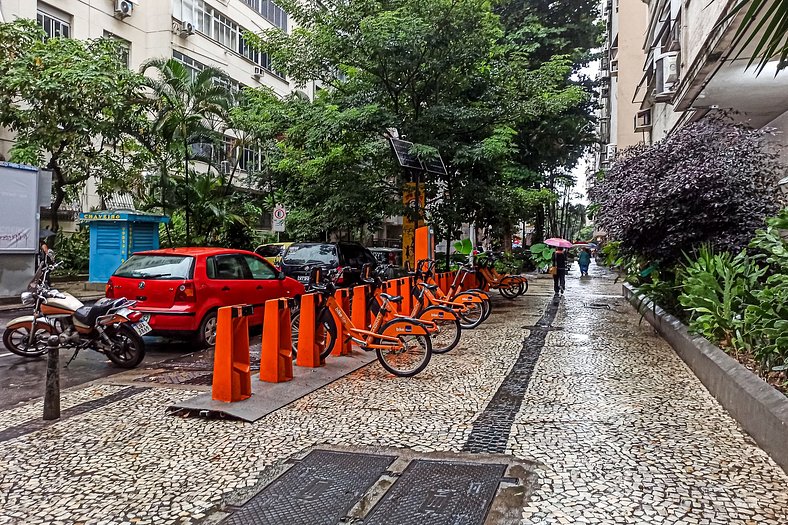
x=320, y=489
x=439, y=493
x=180, y=377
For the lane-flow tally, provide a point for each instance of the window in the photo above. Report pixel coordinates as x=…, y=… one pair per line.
x=195, y=66
x=124, y=47
x=259, y=269
x=270, y=11
x=312, y=254
x=227, y=267
x=156, y=267
x=53, y=26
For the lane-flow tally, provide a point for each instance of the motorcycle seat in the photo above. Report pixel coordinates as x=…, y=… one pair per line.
x=88, y=314
x=392, y=298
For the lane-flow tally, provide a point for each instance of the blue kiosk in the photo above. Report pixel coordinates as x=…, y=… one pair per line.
x=115, y=235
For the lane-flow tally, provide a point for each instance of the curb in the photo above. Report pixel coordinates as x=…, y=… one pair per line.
x=761, y=410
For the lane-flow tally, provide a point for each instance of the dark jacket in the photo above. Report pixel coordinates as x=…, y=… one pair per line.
x=559, y=261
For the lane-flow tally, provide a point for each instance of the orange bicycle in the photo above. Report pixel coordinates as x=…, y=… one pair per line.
x=442, y=323
x=402, y=344
x=476, y=303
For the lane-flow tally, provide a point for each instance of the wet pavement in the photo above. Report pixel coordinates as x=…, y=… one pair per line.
x=23, y=379
x=613, y=426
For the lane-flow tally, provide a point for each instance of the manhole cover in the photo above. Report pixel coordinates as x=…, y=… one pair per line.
x=180, y=377
x=320, y=489
x=439, y=493
x=599, y=306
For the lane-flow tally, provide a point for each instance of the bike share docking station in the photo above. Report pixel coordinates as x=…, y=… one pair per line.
x=235, y=394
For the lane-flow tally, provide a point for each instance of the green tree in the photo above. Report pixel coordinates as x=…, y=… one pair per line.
x=72, y=106
x=186, y=107
x=440, y=71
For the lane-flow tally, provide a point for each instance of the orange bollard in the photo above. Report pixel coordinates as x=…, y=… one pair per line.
x=310, y=334
x=232, y=376
x=358, y=310
x=343, y=346
x=407, y=298
x=276, y=353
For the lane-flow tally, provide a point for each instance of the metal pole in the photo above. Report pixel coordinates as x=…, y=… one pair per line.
x=52, y=392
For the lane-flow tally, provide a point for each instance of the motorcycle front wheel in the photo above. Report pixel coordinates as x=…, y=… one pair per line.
x=128, y=348
x=17, y=340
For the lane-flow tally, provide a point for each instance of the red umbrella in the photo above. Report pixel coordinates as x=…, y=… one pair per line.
x=558, y=242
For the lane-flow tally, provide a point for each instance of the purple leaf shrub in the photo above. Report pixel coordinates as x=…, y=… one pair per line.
x=712, y=181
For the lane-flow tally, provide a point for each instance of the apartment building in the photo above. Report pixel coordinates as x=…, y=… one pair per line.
x=690, y=66
x=198, y=33
x=620, y=72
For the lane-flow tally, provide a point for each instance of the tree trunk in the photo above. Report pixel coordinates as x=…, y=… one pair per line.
x=539, y=227
x=186, y=184
x=507, y=238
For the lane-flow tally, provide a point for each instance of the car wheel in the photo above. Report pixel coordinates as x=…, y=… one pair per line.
x=206, y=333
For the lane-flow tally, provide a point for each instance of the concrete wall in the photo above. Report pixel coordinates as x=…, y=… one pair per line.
x=631, y=20
x=16, y=270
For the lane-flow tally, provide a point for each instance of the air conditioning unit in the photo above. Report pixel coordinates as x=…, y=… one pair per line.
x=666, y=69
x=614, y=67
x=123, y=8
x=187, y=28
x=610, y=152
x=258, y=73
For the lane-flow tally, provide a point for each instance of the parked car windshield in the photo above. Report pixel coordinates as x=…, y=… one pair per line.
x=311, y=254
x=156, y=267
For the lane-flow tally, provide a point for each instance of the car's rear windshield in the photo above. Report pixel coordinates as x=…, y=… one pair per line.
x=156, y=267
x=311, y=254
x=270, y=250
x=355, y=255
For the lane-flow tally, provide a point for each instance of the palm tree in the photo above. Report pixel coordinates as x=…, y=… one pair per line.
x=185, y=105
x=769, y=19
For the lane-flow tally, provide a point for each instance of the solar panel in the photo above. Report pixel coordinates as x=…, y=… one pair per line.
x=435, y=165
x=405, y=158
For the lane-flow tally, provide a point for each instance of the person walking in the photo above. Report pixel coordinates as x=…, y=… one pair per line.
x=585, y=261
x=559, y=277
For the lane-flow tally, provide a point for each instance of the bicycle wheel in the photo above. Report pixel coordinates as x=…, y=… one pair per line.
x=473, y=315
x=413, y=355
x=449, y=330
x=329, y=331
x=509, y=288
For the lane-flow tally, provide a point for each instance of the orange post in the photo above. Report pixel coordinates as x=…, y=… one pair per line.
x=310, y=334
x=407, y=298
x=358, y=310
x=343, y=345
x=232, y=377
x=276, y=353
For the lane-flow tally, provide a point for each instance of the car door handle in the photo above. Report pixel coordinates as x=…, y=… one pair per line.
x=225, y=288
x=259, y=286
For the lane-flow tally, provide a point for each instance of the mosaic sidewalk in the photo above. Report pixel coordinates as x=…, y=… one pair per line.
x=620, y=429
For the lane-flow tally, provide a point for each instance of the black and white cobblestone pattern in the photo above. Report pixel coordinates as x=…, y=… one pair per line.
x=623, y=431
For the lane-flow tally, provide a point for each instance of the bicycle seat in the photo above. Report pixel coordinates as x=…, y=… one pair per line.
x=430, y=287
x=391, y=298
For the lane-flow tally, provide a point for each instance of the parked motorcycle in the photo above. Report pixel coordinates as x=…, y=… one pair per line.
x=110, y=326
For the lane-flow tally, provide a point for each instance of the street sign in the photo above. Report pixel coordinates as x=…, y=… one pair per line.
x=279, y=215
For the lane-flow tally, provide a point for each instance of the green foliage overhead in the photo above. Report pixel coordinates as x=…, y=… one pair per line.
x=73, y=106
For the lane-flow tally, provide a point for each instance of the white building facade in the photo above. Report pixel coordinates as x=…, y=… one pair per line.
x=690, y=65
x=198, y=33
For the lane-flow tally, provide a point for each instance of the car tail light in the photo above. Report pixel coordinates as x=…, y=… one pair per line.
x=134, y=316
x=341, y=278
x=185, y=293
x=109, y=290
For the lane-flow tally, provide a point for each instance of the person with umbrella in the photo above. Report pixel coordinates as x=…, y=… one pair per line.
x=559, y=263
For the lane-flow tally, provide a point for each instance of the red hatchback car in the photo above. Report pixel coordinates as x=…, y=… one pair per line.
x=182, y=288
